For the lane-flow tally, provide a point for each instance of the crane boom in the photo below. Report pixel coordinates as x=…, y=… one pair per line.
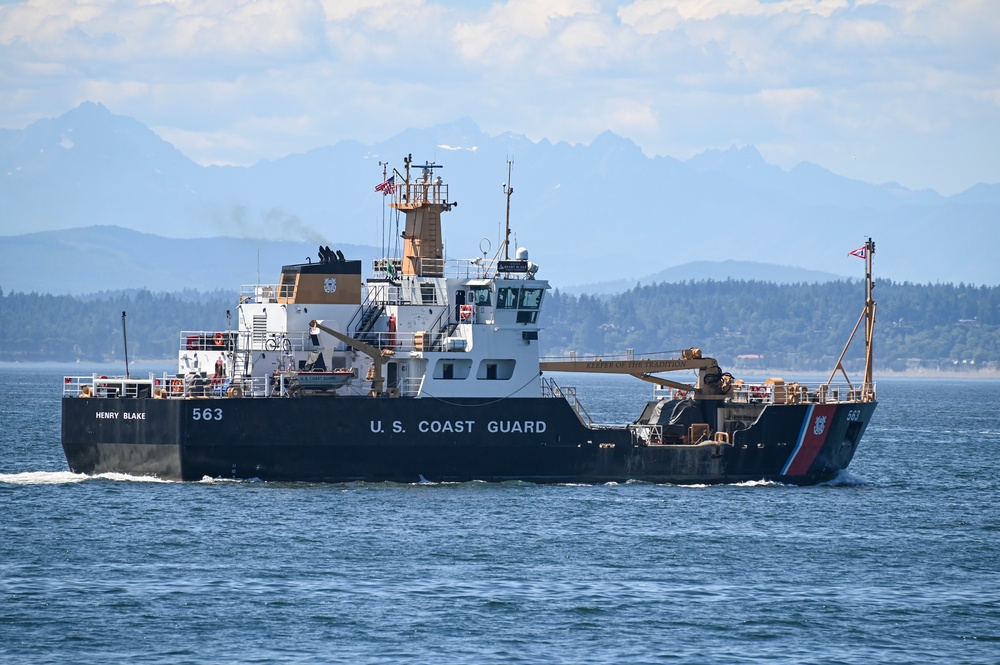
x=646, y=368
x=642, y=366
x=376, y=354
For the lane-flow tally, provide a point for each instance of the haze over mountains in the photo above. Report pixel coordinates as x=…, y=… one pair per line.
x=589, y=215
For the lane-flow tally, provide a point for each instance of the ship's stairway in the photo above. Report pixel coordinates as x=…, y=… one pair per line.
x=432, y=229
x=551, y=389
x=242, y=371
x=243, y=363
x=365, y=319
x=445, y=329
x=444, y=332
x=369, y=317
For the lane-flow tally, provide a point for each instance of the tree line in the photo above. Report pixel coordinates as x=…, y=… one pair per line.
x=791, y=326
x=742, y=323
x=37, y=327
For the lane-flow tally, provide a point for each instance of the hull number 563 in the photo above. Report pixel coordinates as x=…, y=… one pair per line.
x=208, y=413
x=852, y=416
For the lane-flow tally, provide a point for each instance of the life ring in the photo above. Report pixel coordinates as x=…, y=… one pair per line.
x=176, y=386
x=219, y=339
x=465, y=312
x=235, y=392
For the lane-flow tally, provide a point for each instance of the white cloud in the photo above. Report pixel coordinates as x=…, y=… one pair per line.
x=656, y=16
x=521, y=33
x=233, y=82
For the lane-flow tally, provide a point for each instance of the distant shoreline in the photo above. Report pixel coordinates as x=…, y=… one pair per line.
x=942, y=374
x=987, y=374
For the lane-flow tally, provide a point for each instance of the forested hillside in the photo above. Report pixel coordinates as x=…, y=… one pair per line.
x=67, y=328
x=790, y=326
x=745, y=325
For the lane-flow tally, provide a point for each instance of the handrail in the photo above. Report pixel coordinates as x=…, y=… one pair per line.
x=799, y=393
x=368, y=303
x=265, y=293
x=552, y=389
x=164, y=386
x=440, y=329
x=477, y=268
x=243, y=340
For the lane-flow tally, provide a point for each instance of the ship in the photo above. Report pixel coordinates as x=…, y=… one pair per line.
x=430, y=370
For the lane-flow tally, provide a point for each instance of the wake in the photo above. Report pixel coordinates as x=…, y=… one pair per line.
x=68, y=478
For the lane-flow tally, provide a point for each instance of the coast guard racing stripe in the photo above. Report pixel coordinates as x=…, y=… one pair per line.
x=817, y=423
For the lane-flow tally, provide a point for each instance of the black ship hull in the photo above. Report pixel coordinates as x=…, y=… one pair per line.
x=347, y=439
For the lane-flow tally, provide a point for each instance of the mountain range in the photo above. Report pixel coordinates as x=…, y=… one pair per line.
x=92, y=188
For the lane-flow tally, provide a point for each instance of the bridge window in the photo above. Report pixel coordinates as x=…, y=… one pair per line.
x=481, y=296
x=507, y=297
x=530, y=298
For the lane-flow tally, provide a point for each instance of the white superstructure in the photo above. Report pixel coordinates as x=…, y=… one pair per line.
x=423, y=326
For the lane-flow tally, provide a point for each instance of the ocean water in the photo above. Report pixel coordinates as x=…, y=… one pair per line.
x=896, y=561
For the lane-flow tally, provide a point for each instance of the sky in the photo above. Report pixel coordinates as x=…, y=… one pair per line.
x=904, y=91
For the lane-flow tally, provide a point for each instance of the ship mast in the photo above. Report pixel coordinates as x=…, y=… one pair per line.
x=508, y=190
x=868, y=387
x=868, y=316
x=422, y=200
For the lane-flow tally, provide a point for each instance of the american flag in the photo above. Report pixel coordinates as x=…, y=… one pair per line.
x=387, y=186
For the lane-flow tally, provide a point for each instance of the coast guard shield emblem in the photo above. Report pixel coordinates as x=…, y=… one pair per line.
x=819, y=425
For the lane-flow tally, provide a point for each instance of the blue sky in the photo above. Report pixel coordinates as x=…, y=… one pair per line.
x=878, y=90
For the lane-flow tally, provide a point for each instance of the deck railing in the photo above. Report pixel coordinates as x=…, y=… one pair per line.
x=165, y=386
x=266, y=293
x=243, y=340
x=552, y=389
x=801, y=393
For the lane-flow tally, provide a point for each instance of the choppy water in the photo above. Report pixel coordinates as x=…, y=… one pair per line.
x=897, y=561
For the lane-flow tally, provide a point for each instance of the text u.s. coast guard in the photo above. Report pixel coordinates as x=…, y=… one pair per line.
x=464, y=426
